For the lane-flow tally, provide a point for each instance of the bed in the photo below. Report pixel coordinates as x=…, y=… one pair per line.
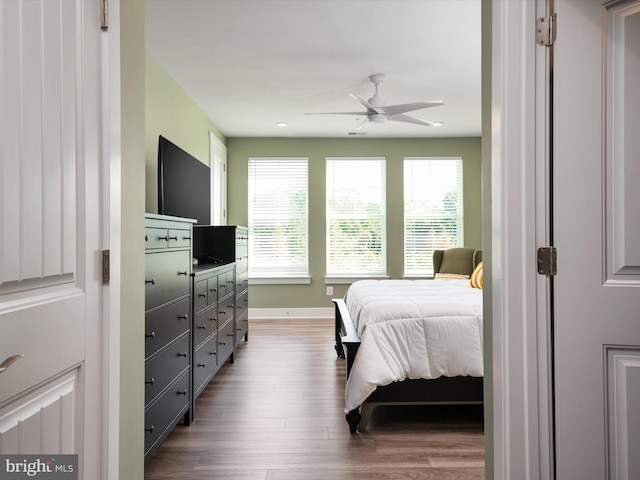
x=412, y=341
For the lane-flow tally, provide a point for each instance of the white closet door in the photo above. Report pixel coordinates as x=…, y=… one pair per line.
x=52, y=144
x=597, y=235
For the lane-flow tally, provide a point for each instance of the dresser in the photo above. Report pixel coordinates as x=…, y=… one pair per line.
x=168, y=327
x=213, y=325
x=230, y=244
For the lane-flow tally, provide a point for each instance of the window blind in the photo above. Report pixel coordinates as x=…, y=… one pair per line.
x=433, y=210
x=278, y=217
x=356, y=219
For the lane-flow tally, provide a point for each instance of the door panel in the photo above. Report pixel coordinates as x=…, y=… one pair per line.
x=43, y=420
x=623, y=385
x=597, y=234
x=53, y=137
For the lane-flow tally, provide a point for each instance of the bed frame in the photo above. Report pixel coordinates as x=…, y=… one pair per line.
x=438, y=391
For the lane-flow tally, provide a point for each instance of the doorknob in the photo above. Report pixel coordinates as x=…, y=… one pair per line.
x=9, y=361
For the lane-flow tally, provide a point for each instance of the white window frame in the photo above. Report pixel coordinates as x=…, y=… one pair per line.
x=426, y=194
x=345, y=277
x=274, y=276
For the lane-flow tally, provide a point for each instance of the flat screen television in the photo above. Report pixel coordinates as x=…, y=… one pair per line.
x=184, y=184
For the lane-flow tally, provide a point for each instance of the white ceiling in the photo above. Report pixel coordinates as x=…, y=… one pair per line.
x=252, y=63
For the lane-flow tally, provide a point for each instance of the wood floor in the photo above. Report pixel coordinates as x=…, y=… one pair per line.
x=277, y=414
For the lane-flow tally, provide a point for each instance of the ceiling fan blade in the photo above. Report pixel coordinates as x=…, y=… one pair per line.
x=337, y=113
x=365, y=103
x=408, y=119
x=409, y=107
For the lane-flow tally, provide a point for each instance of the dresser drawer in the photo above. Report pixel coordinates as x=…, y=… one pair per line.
x=242, y=281
x=165, y=324
x=205, y=363
x=155, y=237
x=225, y=340
x=200, y=294
x=204, y=324
x=212, y=290
x=225, y=284
x=166, y=277
x=242, y=257
x=166, y=411
x=226, y=309
x=179, y=238
x=164, y=366
x=242, y=304
x=242, y=327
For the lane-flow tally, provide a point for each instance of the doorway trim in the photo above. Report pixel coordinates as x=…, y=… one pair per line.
x=519, y=208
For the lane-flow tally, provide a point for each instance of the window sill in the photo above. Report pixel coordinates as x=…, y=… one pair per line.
x=348, y=279
x=302, y=280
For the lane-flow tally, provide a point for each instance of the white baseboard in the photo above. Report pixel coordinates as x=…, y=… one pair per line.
x=284, y=313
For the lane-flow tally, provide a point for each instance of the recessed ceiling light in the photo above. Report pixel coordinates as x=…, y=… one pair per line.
x=282, y=124
x=437, y=124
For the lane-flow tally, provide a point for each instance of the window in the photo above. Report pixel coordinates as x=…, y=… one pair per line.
x=278, y=218
x=356, y=217
x=433, y=215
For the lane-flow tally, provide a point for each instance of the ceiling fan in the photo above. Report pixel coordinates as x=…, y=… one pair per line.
x=378, y=112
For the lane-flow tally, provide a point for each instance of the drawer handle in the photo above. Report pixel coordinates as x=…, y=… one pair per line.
x=183, y=273
x=222, y=343
x=183, y=317
x=203, y=295
x=149, y=429
x=183, y=354
x=229, y=334
x=230, y=282
x=202, y=365
x=238, y=259
x=213, y=290
x=223, y=286
x=202, y=327
x=213, y=353
x=163, y=238
x=239, y=307
x=223, y=312
x=174, y=238
x=146, y=238
x=213, y=319
x=150, y=382
x=151, y=335
x=9, y=361
x=186, y=238
x=152, y=281
x=181, y=392
x=239, y=329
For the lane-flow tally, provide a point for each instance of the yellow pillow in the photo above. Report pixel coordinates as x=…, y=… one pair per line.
x=476, y=276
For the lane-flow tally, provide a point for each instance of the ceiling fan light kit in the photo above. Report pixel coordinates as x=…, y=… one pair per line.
x=378, y=112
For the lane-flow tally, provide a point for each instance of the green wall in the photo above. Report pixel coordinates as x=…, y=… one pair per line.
x=170, y=112
x=316, y=149
x=131, y=421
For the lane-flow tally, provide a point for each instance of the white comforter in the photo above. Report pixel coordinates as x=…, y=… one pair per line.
x=413, y=329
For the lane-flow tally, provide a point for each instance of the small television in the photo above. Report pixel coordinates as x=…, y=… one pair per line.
x=184, y=184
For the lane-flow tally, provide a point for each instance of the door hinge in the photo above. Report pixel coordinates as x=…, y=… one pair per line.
x=547, y=261
x=546, y=29
x=104, y=14
x=106, y=266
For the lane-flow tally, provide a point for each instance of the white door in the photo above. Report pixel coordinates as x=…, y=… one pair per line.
x=597, y=235
x=52, y=149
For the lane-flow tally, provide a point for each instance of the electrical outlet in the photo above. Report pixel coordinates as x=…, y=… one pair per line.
x=329, y=290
